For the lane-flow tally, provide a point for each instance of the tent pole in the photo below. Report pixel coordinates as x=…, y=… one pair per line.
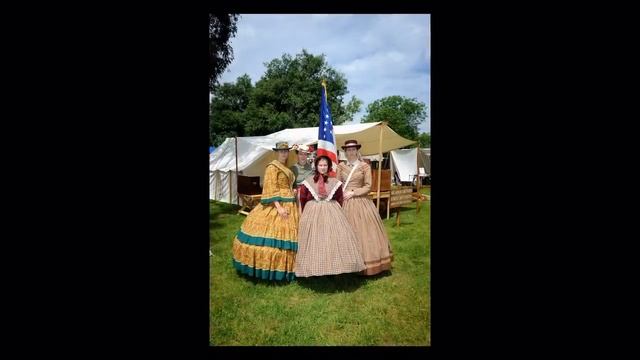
x=379, y=163
x=418, y=168
x=229, y=178
x=418, y=178
x=393, y=176
x=216, y=176
x=237, y=197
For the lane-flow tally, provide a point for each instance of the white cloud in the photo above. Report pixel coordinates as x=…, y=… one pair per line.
x=378, y=63
x=381, y=55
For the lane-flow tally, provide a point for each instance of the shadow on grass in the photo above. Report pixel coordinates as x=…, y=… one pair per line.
x=321, y=284
x=221, y=207
x=406, y=213
x=217, y=208
x=338, y=283
x=258, y=281
x=218, y=223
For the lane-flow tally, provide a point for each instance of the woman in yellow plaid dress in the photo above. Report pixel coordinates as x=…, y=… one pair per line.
x=266, y=245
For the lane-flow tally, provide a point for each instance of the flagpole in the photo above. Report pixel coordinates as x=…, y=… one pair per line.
x=324, y=86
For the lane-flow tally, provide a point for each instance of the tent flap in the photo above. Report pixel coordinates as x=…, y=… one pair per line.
x=406, y=163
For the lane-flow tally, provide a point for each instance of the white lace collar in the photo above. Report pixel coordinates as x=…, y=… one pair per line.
x=313, y=192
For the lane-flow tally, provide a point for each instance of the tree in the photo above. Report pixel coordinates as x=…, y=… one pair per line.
x=228, y=106
x=222, y=27
x=288, y=95
x=424, y=140
x=350, y=110
x=401, y=113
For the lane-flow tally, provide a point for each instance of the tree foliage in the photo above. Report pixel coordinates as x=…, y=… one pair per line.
x=286, y=96
x=222, y=27
x=227, y=115
x=401, y=113
x=424, y=140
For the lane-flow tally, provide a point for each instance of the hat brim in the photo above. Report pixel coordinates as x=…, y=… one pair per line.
x=355, y=146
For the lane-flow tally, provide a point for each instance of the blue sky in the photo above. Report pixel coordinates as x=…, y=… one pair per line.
x=380, y=55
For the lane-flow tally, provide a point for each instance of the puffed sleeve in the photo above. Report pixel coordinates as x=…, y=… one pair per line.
x=294, y=170
x=337, y=196
x=366, y=187
x=304, y=195
x=339, y=173
x=270, y=191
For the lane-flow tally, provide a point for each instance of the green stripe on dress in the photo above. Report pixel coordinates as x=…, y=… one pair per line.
x=263, y=274
x=277, y=198
x=265, y=241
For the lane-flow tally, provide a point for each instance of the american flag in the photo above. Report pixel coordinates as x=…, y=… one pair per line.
x=326, y=137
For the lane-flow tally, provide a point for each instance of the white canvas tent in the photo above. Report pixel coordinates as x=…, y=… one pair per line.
x=406, y=163
x=255, y=152
x=427, y=153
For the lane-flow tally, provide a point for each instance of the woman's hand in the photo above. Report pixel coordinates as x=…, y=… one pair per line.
x=348, y=195
x=283, y=212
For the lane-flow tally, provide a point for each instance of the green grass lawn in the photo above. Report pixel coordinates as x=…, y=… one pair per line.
x=388, y=309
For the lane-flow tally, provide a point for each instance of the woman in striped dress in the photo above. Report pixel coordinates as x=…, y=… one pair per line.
x=363, y=216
